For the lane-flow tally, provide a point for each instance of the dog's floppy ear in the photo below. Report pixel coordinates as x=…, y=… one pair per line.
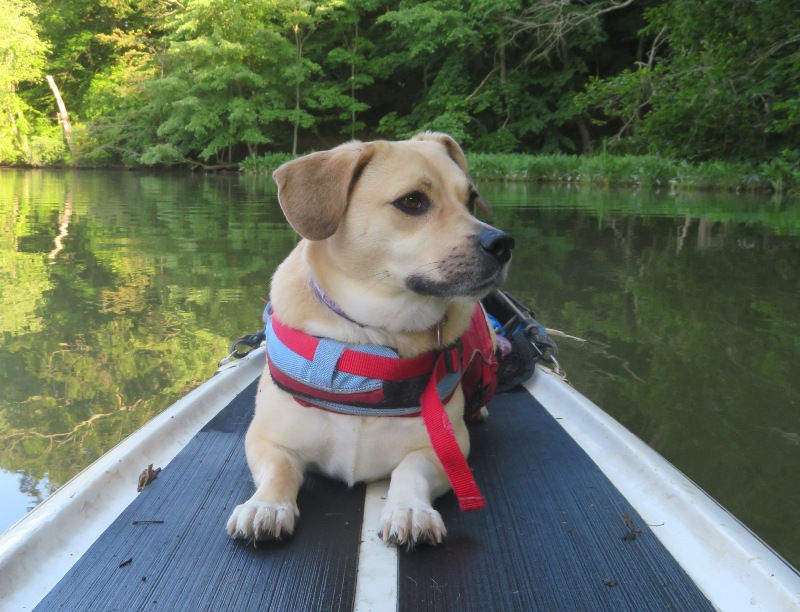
x=313, y=190
x=457, y=155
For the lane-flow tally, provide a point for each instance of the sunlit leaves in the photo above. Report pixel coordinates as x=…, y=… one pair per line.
x=22, y=58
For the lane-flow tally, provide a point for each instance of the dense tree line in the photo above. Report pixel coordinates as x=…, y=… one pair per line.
x=213, y=81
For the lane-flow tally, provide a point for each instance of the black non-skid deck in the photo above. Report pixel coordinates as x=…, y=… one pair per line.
x=555, y=535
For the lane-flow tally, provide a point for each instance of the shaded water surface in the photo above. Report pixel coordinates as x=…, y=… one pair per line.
x=120, y=291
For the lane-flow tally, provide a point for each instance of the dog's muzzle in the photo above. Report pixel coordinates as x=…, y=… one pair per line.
x=471, y=272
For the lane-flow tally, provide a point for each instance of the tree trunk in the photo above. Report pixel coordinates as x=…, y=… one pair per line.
x=353, y=85
x=296, y=127
x=586, y=137
x=63, y=118
x=298, y=41
x=501, y=58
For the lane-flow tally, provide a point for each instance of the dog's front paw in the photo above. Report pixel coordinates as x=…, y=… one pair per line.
x=410, y=525
x=256, y=520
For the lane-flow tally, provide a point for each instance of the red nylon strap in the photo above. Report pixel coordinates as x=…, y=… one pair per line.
x=443, y=440
x=356, y=362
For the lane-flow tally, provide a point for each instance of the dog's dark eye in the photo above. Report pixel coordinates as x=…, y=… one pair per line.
x=473, y=195
x=414, y=203
x=477, y=201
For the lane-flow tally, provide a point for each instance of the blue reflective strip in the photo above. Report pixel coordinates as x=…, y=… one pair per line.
x=305, y=371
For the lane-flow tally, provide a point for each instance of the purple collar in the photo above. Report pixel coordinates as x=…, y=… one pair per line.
x=328, y=301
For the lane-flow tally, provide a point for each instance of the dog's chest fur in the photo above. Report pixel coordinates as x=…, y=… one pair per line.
x=345, y=447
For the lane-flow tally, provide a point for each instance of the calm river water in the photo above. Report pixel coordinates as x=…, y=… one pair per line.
x=119, y=292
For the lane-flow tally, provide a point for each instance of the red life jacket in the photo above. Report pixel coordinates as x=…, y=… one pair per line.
x=370, y=380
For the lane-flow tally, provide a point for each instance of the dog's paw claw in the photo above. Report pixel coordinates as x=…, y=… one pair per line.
x=254, y=520
x=481, y=415
x=411, y=525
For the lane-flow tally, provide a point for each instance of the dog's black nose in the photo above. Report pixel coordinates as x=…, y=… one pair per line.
x=497, y=244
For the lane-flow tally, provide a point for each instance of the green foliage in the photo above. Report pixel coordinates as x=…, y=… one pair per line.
x=215, y=82
x=87, y=39
x=47, y=146
x=265, y=164
x=22, y=57
x=226, y=81
x=21, y=50
x=783, y=171
x=222, y=82
x=634, y=171
x=483, y=74
x=722, y=82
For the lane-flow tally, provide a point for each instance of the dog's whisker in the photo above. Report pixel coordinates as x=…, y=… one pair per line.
x=430, y=263
x=380, y=280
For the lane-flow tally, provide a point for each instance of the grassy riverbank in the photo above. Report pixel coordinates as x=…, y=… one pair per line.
x=649, y=171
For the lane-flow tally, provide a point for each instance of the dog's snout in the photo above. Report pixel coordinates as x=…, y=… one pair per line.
x=497, y=244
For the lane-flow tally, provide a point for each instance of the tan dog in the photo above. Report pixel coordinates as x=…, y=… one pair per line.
x=390, y=238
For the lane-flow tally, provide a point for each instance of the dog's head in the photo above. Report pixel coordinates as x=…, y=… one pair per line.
x=396, y=216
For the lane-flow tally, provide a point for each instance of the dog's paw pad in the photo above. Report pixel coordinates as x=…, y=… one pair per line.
x=411, y=525
x=255, y=520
